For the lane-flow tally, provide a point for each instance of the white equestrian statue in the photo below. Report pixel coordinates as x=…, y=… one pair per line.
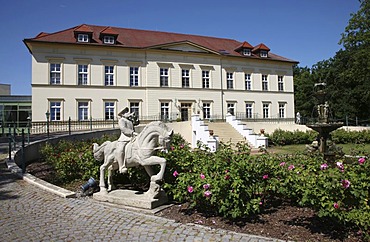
x=139, y=151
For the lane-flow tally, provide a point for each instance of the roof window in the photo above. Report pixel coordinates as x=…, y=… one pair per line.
x=108, y=39
x=83, y=38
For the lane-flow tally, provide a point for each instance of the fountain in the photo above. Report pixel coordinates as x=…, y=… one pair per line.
x=324, y=125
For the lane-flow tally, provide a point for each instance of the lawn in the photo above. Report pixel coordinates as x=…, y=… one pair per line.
x=291, y=149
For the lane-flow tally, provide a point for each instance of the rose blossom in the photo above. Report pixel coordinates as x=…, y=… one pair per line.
x=324, y=166
x=206, y=186
x=336, y=205
x=346, y=183
x=361, y=160
x=175, y=174
x=282, y=164
x=202, y=176
x=265, y=177
x=291, y=167
x=207, y=193
x=340, y=165
x=190, y=189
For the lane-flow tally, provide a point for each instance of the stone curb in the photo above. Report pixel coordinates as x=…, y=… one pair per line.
x=12, y=166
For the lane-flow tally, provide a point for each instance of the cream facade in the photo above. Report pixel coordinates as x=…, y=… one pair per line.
x=167, y=82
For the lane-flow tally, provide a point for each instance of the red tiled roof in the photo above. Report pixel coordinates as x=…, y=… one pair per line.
x=261, y=47
x=134, y=38
x=244, y=45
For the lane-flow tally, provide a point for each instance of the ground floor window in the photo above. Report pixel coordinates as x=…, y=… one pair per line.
x=109, y=108
x=55, y=111
x=206, y=110
x=248, y=110
x=266, y=110
x=135, y=107
x=231, y=108
x=281, y=110
x=165, y=110
x=83, y=111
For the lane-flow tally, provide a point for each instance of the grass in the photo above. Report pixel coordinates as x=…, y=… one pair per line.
x=347, y=149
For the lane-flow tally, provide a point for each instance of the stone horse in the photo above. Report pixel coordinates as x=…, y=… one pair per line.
x=139, y=151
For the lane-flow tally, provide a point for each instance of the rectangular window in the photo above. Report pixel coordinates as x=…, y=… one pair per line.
x=185, y=78
x=109, y=108
x=55, y=111
x=248, y=110
x=281, y=110
x=230, y=80
x=247, y=52
x=165, y=111
x=266, y=110
x=231, y=108
x=206, y=110
x=134, y=76
x=108, y=39
x=83, y=38
x=163, y=76
x=248, y=82
x=109, y=75
x=83, y=111
x=134, y=107
x=280, y=83
x=263, y=53
x=82, y=75
x=205, y=78
x=264, y=83
x=55, y=73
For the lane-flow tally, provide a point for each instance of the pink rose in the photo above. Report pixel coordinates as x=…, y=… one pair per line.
x=282, y=164
x=202, y=176
x=206, y=186
x=361, y=160
x=175, y=174
x=190, y=189
x=336, y=205
x=265, y=177
x=207, y=193
x=324, y=166
x=346, y=183
x=291, y=167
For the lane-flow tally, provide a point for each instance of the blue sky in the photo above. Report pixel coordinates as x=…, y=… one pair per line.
x=307, y=30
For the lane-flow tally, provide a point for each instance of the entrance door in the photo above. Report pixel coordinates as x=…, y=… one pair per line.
x=185, y=110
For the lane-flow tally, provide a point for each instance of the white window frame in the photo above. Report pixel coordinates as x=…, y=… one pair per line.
x=109, y=110
x=84, y=38
x=185, y=78
x=231, y=108
x=135, y=107
x=205, y=79
x=83, y=74
x=55, y=73
x=280, y=83
x=266, y=110
x=55, y=110
x=164, y=77
x=248, y=81
x=249, y=110
x=230, y=80
x=263, y=53
x=109, y=75
x=247, y=52
x=206, y=110
x=282, y=110
x=134, y=76
x=165, y=110
x=83, y=110
x=108, y=39
x=265, y=82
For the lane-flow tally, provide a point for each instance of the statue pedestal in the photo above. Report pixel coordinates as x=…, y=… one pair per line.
x=132, y=198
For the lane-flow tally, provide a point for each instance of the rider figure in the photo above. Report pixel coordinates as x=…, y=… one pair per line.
x=127, y=133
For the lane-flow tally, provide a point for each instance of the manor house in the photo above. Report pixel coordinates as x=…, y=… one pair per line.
x=94, y=72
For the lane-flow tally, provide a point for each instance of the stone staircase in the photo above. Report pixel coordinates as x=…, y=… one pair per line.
x=225, y=132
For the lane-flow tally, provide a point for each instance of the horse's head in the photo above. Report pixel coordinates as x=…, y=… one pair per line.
x=165, y=139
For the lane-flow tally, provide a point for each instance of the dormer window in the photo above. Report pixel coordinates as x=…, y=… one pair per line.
x=246, y=52
x=108, y=39
x=83, y=38
x=263, y=53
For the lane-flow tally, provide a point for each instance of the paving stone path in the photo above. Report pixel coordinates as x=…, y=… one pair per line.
x=28, y=213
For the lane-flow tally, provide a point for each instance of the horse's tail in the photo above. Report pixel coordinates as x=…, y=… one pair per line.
x=99, y=150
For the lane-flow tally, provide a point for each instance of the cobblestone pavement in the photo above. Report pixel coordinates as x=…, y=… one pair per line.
x=28, y=213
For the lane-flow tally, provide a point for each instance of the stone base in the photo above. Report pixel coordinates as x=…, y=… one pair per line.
x=132, y=198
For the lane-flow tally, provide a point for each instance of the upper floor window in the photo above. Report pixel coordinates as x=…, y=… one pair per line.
x=205, y=79
x=55, y=111
x=248, y=82
x=83, y=111
x=280, y=83
x=163, y=76
x=247, y=52
x=165, y=110
x=134, y=76
x=185, y=76
x=230, y=80
x=82, y=74
x=108, y=39
x=55, y=73
x=263, y=53
x=109, y=108
x=264, y=83
x=109, y=75
x=83, y=38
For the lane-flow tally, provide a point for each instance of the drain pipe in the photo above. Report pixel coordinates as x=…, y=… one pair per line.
x=222, y=91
